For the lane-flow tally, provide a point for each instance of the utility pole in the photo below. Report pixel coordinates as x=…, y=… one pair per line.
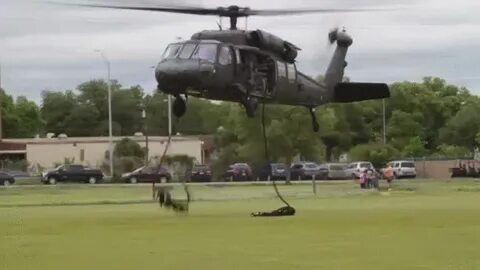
x=384, y=123
x=169, y=115
x=145, y=129
x=1, y=100
x=110, y=135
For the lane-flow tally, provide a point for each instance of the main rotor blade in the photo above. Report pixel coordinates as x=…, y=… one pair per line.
x=172, y=9
x=231, y=11
x=273, y=12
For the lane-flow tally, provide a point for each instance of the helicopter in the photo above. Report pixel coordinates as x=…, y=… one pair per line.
x=252, y=66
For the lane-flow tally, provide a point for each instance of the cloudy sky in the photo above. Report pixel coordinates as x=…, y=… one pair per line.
x=46, y=46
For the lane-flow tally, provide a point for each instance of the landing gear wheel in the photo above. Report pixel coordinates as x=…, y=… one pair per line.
x=315, y=125
x=92, y=180
x=179, y=107
x=251, y=105
x=52, y=181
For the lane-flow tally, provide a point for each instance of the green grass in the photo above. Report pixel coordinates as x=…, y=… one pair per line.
x=425, y=225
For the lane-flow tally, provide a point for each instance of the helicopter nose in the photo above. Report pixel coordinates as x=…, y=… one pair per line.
x=181, y=73
x=177, y=75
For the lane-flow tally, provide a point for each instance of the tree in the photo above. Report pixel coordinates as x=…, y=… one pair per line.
x=127, y=106
x=462, y=129
x=415, y=148
x=81, y=119
x=378, y=154
x=128, y=148
x=452, y=151
x=20, y=118
x=56, y=108
x=403, y=126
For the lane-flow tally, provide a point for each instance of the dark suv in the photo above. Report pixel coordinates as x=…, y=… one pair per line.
x=148, y=174
x=72, y=173
x=273, y=171
x=201, y=173
x=308, y=170
x=238, y=172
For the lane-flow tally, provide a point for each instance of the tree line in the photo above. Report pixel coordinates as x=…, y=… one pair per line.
x=428, y=118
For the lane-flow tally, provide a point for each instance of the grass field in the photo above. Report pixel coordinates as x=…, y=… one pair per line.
x=419, y=225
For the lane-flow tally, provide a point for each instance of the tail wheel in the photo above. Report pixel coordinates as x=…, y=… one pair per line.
x=179, y=107
x=133, y=180
x=52, y=181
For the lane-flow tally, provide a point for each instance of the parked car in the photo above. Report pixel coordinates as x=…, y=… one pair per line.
x=336, y=171
x=403, y=169
x=72, y=173
x=354, y=169
x=308, y=170
x=17, y=174
x=6, y=179
x=273, y=171
x=201, y=173
x=239, y=172
x=147, y=174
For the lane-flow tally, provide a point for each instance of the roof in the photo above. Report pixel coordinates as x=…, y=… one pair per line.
x=11, y=146
x=70, y=140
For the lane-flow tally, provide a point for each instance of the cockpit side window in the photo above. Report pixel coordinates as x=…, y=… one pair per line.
x=225, y=57
x=187, y=51
x=207, y=52
x=292, y=73
x=282, y=70
x=171, y=51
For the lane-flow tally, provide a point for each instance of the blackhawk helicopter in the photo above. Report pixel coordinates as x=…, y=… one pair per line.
x=252, y=67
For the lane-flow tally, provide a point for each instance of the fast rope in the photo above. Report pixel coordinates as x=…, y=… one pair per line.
x=287, y=210
x=163, y=193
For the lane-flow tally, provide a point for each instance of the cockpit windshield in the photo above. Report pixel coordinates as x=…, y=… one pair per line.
x=171, y=51
x=206, y=52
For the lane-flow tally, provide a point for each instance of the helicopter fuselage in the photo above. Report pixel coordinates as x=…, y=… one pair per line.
x=250, y=67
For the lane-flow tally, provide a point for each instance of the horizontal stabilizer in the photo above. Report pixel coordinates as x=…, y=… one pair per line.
x=352, y=92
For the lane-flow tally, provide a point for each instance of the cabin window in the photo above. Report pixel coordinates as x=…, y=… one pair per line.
x=187, y=51
x=171, y=51
x=207, y=52
x=225, y=57
x=282, y=71
x=292, y=73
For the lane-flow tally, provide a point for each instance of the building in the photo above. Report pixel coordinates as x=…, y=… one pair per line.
x=92, y=151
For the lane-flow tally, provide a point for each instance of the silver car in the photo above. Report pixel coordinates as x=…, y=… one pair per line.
x=308, y=170
x=336, y=171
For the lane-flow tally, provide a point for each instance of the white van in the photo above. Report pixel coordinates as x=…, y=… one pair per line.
x=354, y=169
x=403, y=169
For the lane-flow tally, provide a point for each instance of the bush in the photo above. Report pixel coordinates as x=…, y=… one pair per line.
x=122, y=165
x=14, y=165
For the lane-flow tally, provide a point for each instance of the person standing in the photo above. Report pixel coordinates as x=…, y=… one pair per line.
x=388, y=174
x=363, y=179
